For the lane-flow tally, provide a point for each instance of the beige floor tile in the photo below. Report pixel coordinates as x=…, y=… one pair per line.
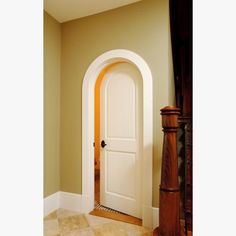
x=95, y=220
x=139, y=233
x=51, y=228
x=61, y=213
x=82, y=232
x=109, y=229
x=51, y=216
x=127, y=226
x=135, y=229
x=71, y=223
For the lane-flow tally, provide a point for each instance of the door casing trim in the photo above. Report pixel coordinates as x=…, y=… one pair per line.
x=88, y=86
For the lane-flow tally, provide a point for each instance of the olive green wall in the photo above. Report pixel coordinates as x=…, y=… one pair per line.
x=52, y=67
x=143, y=28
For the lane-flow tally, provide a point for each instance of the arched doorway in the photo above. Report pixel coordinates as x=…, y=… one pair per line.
x=89, y=81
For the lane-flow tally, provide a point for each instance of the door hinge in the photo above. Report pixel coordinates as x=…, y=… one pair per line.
x=93, y=144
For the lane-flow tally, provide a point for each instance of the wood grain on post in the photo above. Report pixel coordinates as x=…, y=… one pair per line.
x=169, y=208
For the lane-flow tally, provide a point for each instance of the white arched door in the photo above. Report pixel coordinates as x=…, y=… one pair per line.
x=121, y=130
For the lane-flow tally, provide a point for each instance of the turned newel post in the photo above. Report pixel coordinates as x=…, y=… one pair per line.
x=169, y=221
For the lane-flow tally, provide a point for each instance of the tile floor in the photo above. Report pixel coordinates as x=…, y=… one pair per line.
x=68, y=223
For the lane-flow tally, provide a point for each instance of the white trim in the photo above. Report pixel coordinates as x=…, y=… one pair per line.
x=77, y=202
x=155, y=217
x=88, y=126
x=65, y=200
x=85, y=203
x=51, y=203
x=71, y=201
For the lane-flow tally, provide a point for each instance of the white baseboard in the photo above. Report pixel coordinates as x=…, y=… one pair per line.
x=155, y=217
x=150, y=217
x=65, y=200
x=71, y=201
x=78, y=202
x=147, y=216
x=51, y=203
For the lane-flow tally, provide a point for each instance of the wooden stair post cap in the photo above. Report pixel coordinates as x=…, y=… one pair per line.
x=170, y=110
x=170, y=117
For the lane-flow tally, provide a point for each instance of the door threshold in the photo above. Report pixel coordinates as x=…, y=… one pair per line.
x=116, y=216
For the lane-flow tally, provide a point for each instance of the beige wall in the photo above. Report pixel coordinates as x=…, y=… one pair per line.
x=52, y=67
x=141, y=27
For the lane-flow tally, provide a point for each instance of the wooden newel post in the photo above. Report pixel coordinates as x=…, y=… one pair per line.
x=169, y=211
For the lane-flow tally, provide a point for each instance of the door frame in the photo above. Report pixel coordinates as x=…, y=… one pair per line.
x=88, y=86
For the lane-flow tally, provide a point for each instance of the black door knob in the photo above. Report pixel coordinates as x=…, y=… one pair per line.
x=103, y=144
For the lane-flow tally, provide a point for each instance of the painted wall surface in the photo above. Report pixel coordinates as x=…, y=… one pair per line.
x=52, y=67
x=142, y=28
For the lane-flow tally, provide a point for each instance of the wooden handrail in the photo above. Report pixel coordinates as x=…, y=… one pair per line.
x=169, y=208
